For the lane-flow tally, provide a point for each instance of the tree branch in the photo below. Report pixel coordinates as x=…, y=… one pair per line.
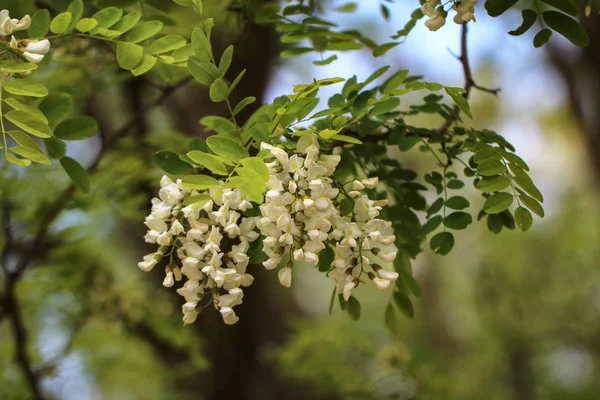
x=469, y=80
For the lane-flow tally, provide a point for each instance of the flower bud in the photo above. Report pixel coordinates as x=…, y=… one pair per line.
x=285, y=276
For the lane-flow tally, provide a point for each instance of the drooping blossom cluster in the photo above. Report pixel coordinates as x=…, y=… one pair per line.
x=301, y=215
x=207, y=241
x=437, y=15
x=33, y=50
x=211, y=241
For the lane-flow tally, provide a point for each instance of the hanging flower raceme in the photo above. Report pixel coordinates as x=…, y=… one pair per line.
x=211, y=242
x=301, y=216
x=207, y=242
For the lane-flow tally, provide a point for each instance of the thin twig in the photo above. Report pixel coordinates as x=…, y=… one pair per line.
x=469, y=81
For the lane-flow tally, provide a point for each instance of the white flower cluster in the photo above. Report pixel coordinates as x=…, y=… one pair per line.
x=211, y=241
x=298, y=206
x=33, y=50
x=208, y=241
x=300, y=215
x=437, y=15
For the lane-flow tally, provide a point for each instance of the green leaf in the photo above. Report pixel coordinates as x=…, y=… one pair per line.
x=567, y=27
x=29, y=123
x=77, y=173
x=498, y=7
x=525, y=182
x=295, y=52
x=252, y=191
x=170, y=163
x=208, y=161
x=61, y=23
x=385, y=106
x=55, y=148
x=25, y=140
x=460, y=101
x=344, y=46
x=167, y=43
x=201, y=45
x=384, y=48
x=498, y=202
x=148, y=62
x=30, y=154
x=326, y=61
x=219, y=91
x=218, y=124
x=431, y=224
x=199, y=182
x=442, y=243
x=532, y=204
x=144, y=31
x=242, y=104
x=514, y=159
x=198, y=144
x=107, y=17
x=404, y=304
x=128, y=21
x=227, y=148
x=11, y=158
x=491, y=168
x=394, y=81
x=225, y=61
x=201, y=71
x=26, y=87
x=354, y=308
x=77, y=128
x=455, y=184
x=523, y=218
x=458, y=220
x=563, y=5
x=16, y=66
x=40, y=24
x=346, y=139
x=529, y=17
x=493, y=184
x=257, y=165
x=541, y=37
x=76, y=10
x=56, y=107
x=457, y=203
x=21, y=106
x=86, y=25
x=435, y=206
x=487, y=154
x=129, y=55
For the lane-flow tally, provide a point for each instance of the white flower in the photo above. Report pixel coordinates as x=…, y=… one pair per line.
x=464, y=10
x=357, y=186
x=33, y=57
x=388, y=256
x=150, y=260
x=169, y=281
x=370, y=183
x=298, y=255
x=348, y=287
x=177, y=228
x=228, y=315
x=390, y=276
x=271, y=263
x=189, y=318
x=435, y=23
x=311, y=258
x=38, y=46
x=382, y=284
x=285, y=276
